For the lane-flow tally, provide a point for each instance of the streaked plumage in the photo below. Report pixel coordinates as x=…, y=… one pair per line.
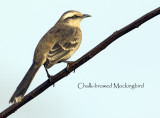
x=57, y=45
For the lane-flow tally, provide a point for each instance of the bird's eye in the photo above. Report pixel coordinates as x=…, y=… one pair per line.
x=75, y=16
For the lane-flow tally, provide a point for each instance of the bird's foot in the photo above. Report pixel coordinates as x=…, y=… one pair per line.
x=49, y=76
x=68, y=65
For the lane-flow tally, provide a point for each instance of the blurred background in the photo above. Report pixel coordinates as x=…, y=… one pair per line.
x=133, y=58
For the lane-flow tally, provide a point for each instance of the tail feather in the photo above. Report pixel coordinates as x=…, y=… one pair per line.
x=24, y=84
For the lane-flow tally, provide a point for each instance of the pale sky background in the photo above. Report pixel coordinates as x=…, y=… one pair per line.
x=133, y=58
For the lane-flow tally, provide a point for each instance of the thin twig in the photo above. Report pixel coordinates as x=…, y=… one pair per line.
x=80, y=61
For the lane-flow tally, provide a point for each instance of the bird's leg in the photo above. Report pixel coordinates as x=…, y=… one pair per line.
x=68, y=63
x=49, y=76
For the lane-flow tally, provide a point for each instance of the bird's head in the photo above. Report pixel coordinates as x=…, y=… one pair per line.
x=73, y=18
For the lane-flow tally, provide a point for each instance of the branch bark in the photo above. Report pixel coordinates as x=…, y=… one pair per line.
x=80, y=61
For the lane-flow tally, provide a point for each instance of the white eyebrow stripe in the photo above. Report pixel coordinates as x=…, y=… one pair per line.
x=68, y=15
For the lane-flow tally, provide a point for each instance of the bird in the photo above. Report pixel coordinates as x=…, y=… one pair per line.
x=56, y=46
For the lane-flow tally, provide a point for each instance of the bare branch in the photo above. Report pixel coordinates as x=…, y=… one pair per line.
x=80, y=61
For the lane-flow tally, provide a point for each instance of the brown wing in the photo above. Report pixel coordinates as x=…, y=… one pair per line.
x=59, y=51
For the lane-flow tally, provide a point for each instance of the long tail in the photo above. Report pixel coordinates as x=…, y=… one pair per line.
x=23, y=86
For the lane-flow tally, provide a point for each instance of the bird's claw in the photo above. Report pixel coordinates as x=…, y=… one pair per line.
x=49, y=76
x=68, y=65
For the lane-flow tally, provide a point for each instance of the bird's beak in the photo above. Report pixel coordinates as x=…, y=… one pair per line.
x=86, y=15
